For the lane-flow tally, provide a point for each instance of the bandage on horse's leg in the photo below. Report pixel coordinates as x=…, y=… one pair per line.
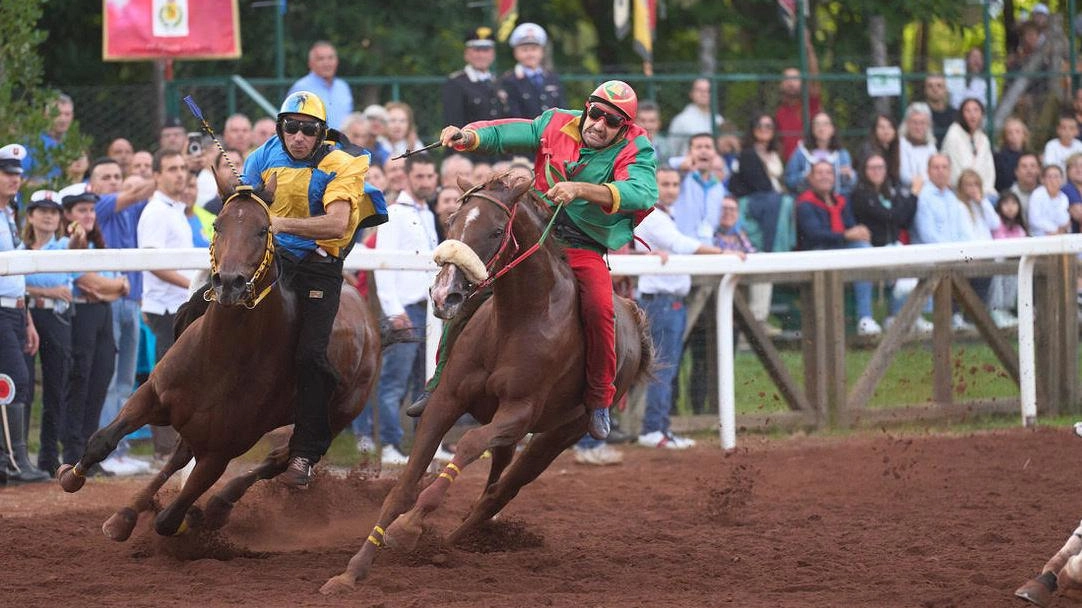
x=221, y=504
x=120, y=525
x=538, y=455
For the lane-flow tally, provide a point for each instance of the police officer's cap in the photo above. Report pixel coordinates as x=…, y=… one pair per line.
x=47, y=199
x=76, y=193
x=528, y=33
x=11, y=159
x=480, y=38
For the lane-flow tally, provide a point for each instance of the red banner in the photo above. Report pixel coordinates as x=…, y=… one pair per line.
x=181, y=29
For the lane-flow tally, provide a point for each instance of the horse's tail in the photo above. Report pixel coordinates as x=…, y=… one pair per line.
x=648, y=363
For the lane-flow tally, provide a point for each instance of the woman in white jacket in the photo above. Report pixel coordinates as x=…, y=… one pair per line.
x=968, y=147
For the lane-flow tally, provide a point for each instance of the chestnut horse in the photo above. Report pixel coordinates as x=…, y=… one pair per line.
x=518, y=366
x=227, y=381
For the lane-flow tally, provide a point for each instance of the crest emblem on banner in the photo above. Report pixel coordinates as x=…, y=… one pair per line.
x=170, y=18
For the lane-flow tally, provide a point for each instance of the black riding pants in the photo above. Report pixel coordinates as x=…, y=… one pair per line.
x=93, y=358
x=54, y=331
x=316, y=282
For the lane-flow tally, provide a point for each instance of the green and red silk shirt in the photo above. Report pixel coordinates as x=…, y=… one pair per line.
x=627, y=168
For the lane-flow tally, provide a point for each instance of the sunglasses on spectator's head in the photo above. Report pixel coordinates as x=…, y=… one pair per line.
x=291, y=126
x=611, y=120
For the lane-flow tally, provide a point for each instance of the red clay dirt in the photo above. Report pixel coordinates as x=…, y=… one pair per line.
x=882, y=520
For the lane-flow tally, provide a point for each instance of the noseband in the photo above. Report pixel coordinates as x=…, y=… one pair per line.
x=251, y=299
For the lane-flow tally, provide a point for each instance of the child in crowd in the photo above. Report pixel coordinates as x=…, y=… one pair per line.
x=1057, y=150
x=1004, y=291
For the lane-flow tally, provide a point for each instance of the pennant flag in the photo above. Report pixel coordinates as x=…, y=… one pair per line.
x=506, y=16
x=621, y=17
x=182, y=29
x=645, y=26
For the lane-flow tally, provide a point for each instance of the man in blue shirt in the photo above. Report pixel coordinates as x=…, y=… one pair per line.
x=321, y=80
x=119, y=206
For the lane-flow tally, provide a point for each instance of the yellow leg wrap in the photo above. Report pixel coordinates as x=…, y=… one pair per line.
x=376, y=537
x=182, y=529
x=76, y=471
x=450, y=472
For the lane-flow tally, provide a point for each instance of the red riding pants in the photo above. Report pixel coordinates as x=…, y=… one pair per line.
x=599, y=324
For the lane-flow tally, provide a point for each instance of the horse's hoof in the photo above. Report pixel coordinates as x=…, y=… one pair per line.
x=69, y=479
x=338, y=584
x=119, y=527
x=1035, y=592
x=402, y=534
x=217, y=513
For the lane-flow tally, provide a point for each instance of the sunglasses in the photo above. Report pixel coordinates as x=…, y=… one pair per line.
x=291, y=126
x=611, y=120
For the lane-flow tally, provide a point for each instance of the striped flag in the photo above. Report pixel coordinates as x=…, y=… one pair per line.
x=506, y=16
x=644, y=17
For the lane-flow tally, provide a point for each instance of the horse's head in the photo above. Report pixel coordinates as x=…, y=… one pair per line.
x=479, y=240
x=242, y=252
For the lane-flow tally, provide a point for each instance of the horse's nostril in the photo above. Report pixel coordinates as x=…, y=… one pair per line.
x=237, y=282
x=453, y=299
x=216, y=279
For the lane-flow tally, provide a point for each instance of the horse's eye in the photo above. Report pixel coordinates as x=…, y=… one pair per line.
x=216, y=226
x=263, y=233
x=497, y=233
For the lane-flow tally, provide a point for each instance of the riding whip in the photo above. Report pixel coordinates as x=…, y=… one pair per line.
x=430, y=146
x=206, y=127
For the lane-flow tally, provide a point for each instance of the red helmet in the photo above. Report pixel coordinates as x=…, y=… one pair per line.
x=619, y=95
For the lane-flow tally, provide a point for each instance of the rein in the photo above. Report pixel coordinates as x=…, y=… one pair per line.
x=251, y=299
x=508, y=238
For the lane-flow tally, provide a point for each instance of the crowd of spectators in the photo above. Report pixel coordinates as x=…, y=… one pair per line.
x=775, y=184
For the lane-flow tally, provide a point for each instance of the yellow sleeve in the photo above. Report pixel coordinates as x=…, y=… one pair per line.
x=348, y=182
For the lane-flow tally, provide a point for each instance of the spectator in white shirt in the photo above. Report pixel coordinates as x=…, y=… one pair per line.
x=1057, y=150
x=916, y=147
x=662, y=298
x=403, y=295
x=695, y=117
x=1048, y=205
x=163, y=225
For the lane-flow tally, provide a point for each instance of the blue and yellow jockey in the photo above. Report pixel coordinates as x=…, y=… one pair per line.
x=320, y=202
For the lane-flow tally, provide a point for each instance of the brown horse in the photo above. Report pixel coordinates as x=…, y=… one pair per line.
x=518, y=365
x=227, y=381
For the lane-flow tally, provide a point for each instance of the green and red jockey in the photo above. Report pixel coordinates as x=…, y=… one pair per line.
x=600, y=166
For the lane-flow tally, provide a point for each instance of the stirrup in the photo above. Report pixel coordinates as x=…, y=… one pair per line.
x=600, y=423
x=415, y=409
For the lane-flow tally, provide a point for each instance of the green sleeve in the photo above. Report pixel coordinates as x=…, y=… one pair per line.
x=512, y=135
x=635, y=176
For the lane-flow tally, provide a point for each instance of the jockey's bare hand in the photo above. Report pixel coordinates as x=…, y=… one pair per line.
x=453, y=137
x=563, y=193
x=401, y=321
x=664, y=255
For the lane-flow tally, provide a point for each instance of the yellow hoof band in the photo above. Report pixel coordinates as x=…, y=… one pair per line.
x=182, y=529
x=451, y=465
x=374, y=539
x=447, y=476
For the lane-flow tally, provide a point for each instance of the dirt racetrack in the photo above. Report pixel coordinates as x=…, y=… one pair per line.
x=873, y=520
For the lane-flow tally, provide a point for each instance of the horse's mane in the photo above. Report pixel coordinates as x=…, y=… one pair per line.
x=536, y=208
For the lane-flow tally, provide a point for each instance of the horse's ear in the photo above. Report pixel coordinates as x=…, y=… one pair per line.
x=269, y=187
x=227, y=185
x=464, y=184
x=519, y=186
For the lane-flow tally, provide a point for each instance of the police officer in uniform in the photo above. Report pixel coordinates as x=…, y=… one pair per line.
x=529, y=89
x=17, y=334
x=470, y=94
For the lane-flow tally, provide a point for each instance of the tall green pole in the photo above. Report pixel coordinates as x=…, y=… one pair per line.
x=989, y=125
x=801, y=33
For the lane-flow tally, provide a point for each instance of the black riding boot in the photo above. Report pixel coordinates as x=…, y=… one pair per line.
x=25, y=472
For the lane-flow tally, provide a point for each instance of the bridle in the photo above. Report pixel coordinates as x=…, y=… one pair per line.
x=251, y=299
x=508, y=237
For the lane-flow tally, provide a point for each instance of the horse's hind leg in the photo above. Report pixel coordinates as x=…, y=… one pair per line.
x=538, y=455
x=136, y=412
x=119, y=527
x=207, y=471
x=221, y=504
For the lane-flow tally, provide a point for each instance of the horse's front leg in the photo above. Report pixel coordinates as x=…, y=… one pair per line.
x=119, y=527
x=508, y=426
x=221, y=504
x=208, y=469
x=138, y=410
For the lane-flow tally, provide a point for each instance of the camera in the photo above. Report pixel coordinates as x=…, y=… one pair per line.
x=195, y=144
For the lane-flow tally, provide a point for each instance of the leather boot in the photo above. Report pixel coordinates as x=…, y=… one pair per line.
x=415, y=409
x=599, y=423
x=26, y=472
